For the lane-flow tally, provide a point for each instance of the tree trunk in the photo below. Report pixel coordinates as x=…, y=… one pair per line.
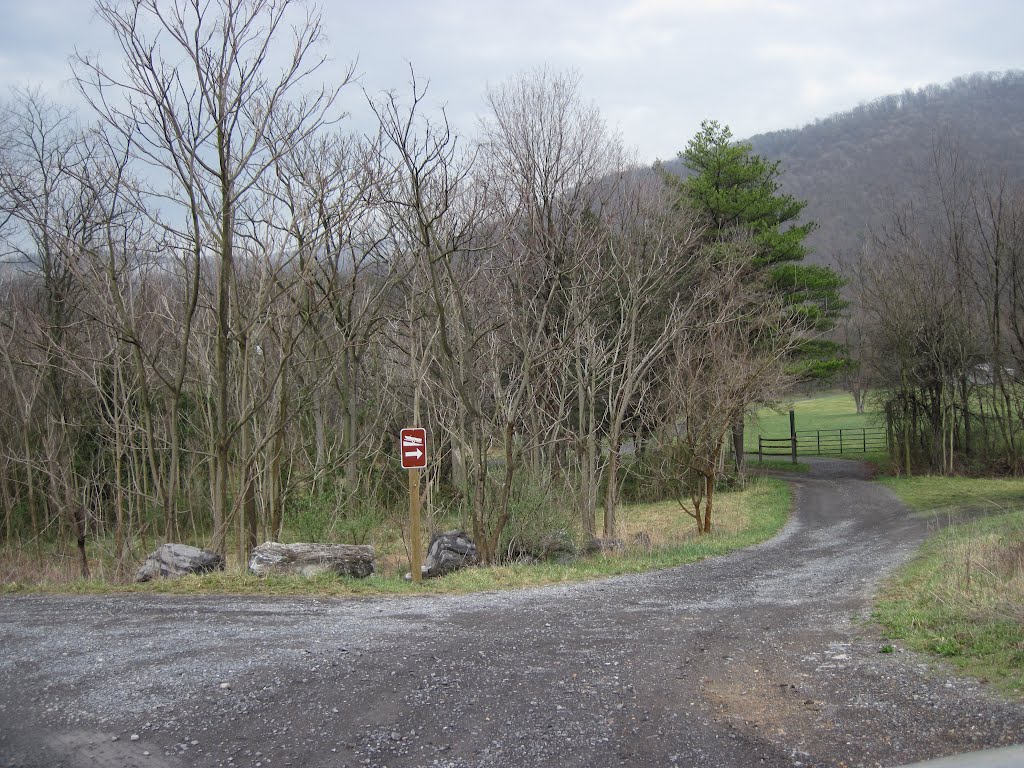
x=220, y=497
x=965, y=407
x=737, y=445
x=907, y=407
x=246, y=498
x=320, y=431
x=76, y=513
x=30, y=482
x=249, y=511
x=479, y=488
x=351, y=415
x=173, y=469
x=506, y=490
x=709, y=496
x=274, y=480
x=590, y=480
x=79, y=518
x=587, y=446
x=858, y=398
x=5, y=489
x=119, y=504
x=222, y=430
x=611, y=495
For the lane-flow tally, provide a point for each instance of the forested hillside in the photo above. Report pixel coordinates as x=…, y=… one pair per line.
x=847, y=165
x=936, y=319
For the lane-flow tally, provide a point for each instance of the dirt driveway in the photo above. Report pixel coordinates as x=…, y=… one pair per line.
x=759, y=658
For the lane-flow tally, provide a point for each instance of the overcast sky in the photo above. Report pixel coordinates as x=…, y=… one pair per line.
x=655, y=68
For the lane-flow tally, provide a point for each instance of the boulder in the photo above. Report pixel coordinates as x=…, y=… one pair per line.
x=448, y=552
x=174, y=560
x=605, y=546
x=557, y=547
x=312, y=559
x=551, y=547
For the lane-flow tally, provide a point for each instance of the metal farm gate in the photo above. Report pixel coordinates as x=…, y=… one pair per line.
x=823, y=442
x=836, y=442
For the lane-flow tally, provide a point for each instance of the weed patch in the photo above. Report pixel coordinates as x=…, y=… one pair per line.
x=743, y=518
x=962, y=596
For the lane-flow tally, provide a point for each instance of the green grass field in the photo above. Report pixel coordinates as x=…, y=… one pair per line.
x=834, y=410
x=939, y=495
x=962, y=596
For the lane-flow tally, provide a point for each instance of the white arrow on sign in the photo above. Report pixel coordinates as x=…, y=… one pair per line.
x=414, y=454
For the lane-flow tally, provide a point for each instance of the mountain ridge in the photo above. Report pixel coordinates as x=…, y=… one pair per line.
x=848, y=166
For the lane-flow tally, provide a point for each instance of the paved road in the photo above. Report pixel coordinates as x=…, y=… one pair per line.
x=759, y=658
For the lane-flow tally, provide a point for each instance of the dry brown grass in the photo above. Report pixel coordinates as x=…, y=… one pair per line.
x=21, y=566
x=963, y=598
x=666, y=524
x=984, y=576
x=665, y=529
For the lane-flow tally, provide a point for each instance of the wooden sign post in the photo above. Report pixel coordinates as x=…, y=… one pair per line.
x=413, y=448
x=414, y=524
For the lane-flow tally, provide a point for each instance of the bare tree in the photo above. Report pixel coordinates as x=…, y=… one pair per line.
x=202, y=101
x=51, y=220
x=555, y=166
x=921, y=333
x=435, y=209
x=729, y=351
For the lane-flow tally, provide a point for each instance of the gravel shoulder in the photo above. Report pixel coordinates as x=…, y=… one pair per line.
x=762, y=657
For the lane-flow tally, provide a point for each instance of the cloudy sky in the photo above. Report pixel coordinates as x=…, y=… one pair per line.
x=655, y=68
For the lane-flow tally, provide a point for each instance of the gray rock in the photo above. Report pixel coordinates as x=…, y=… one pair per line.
x=174, y=560
x=313, y=559
x=605, y=546
x=449, y=552
x=551, y=547
x=557, y=547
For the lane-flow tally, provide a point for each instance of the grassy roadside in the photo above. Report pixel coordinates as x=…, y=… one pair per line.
x=934, y=494
x=962, y=596
x=744, y=518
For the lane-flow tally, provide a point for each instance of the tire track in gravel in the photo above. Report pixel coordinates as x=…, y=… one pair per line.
x=758, y=658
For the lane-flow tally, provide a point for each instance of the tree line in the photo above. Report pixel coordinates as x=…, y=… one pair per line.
x=219, y=306
x=937, y=318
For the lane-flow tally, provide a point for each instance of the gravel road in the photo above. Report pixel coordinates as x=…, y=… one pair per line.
x=759, y=658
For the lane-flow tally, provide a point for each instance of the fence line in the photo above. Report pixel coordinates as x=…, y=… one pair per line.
x=836, y=442
x=823, y=442
x=773, y=443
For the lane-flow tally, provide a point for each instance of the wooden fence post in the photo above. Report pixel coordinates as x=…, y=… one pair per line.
x=792, y=432
x=889, y=443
